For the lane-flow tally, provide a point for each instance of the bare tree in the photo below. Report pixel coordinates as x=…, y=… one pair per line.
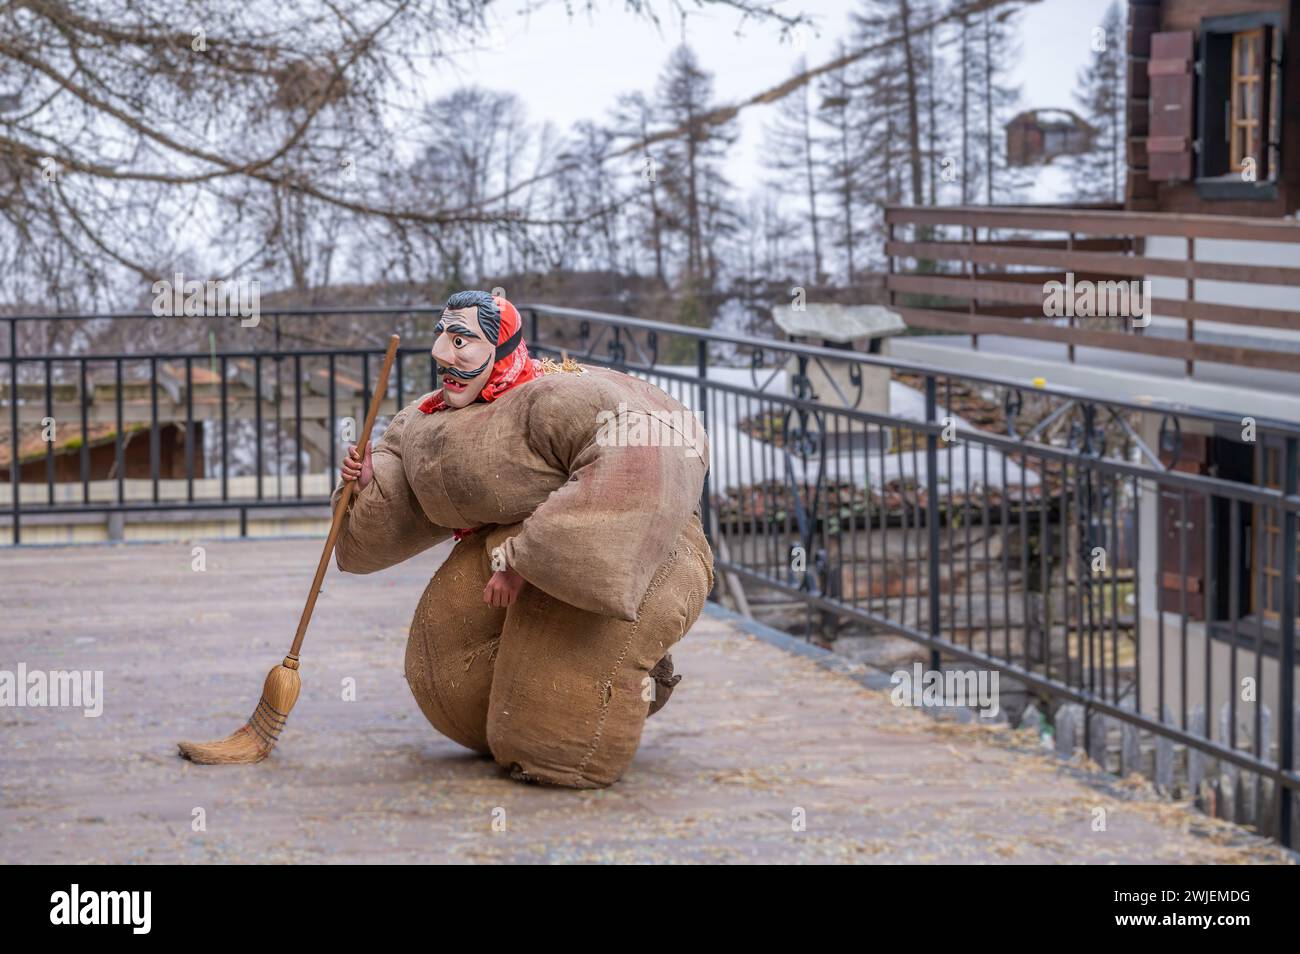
x=968, y=72
x=139, y=136
x=1099, y=174
x=695, y=190
x=633, y=120
x=134, y=117
x=995, y=39
x=847, y=177
x=900, y=17
x=791, y=152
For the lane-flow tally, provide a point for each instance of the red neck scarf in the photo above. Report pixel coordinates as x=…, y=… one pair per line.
x=510, y=371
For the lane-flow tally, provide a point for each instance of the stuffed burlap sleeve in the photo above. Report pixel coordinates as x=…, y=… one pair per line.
x=596, y=542
x=385, y=525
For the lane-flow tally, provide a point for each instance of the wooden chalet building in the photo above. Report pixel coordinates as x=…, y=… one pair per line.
x=1209, y=219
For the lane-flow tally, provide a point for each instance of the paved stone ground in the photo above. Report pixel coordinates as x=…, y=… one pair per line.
x=753, y=734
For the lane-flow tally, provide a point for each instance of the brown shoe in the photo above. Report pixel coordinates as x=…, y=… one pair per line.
x=664, y=679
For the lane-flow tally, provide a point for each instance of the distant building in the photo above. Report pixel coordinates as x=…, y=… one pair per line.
x=72, y=458
x=1040, y=135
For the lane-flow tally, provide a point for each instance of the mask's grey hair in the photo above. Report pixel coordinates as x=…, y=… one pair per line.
x=489, y=316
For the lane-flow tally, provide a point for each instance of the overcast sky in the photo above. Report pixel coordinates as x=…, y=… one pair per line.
x=568, y=68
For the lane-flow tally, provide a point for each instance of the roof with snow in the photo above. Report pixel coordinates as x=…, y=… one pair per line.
x=1051, y=117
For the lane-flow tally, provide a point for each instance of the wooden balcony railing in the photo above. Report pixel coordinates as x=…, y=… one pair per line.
x=982, y=270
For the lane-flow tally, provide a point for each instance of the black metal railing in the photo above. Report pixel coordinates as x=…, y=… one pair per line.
x=1134, y=560
x=204, y=399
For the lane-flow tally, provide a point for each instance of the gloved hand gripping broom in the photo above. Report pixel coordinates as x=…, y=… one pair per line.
x=253, y=741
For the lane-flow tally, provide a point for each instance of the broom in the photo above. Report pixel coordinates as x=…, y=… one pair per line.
x=254, y=740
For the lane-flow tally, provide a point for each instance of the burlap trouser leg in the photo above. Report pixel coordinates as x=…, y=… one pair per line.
x=571, y=689
x=453, y=640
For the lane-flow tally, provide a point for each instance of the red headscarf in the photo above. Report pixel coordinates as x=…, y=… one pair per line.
x=511, y=370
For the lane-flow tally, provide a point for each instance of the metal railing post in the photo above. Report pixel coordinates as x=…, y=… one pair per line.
x=1286, y=690
x=15, y=468
x=932, y=512
x=702, y=370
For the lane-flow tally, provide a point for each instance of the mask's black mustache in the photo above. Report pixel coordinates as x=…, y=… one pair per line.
x=463, y=375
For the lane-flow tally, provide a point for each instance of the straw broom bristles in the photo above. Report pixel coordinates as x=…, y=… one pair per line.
x=254, y=740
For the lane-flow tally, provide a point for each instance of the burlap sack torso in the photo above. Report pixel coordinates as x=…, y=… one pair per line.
x=602, y=470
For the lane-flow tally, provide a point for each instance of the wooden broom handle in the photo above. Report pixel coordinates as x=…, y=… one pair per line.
x=341, y=508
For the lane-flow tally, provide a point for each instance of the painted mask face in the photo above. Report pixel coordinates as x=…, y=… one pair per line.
x=464, y=355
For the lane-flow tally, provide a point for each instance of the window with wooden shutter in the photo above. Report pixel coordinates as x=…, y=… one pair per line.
x=1170, y=131
x=1239, y=99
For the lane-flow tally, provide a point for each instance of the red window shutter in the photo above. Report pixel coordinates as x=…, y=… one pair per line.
x=1169, y=139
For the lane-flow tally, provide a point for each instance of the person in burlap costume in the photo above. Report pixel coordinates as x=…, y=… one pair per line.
x=573, y=495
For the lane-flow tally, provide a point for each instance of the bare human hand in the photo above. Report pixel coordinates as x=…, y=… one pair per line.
x=503, y=588
x=358, y=469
